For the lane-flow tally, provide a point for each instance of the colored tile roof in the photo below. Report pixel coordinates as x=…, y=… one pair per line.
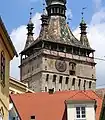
x=57, y=31
x=47, y=106
x=81, y=95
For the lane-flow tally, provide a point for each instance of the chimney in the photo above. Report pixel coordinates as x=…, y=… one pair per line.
x=32, y=117
x=51, y=91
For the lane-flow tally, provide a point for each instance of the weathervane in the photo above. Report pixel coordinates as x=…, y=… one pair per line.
x=31, y=13
x=83, y=12
x=43, y=6
x=69, y=19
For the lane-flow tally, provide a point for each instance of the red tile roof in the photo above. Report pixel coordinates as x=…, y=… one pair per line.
x=81, y=95
x=47, y=106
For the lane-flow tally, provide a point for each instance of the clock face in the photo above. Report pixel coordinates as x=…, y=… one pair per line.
x=60, y=65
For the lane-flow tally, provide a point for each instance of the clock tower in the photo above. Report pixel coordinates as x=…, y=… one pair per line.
x=56, y=60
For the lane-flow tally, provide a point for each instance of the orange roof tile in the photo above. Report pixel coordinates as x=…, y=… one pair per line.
x=47, y=106
x=81, y=95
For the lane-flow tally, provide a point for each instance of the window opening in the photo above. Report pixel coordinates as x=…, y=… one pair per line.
x=73, y=82
x=67, y=80
x=3, y=68
x=84, y=84
x=79, y=83
x=45, y=89
x=72, y=67
x=90, y=84
x=54, y=78
x=47, y=77
x=60, y=79
x=80, y=113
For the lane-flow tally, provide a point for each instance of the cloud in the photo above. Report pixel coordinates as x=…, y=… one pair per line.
x=98, y=17
x=69, y=13
x=97, y=3
x=19, y=36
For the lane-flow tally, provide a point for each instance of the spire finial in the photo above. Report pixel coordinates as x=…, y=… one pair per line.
x=83, y=37
x=82, y=13
x=31, y=13
x=43, y=6
x=69, y=20
x=30, y=25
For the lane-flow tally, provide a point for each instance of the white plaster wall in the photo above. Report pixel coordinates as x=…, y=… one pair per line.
x=71, y=111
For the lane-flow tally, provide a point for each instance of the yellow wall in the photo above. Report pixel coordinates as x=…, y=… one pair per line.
x=17, y=87
x=4, y=91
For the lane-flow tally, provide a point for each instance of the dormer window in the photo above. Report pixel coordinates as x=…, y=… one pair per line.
x=3, y=68
x=80, y=113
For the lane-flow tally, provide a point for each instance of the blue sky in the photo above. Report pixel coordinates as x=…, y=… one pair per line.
x=15, y=14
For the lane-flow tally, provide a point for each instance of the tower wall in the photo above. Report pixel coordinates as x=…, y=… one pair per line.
x=84, y=72
x=39, y=71
x=56, y=59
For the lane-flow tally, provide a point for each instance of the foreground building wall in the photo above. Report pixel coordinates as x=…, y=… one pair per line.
x=7, y=53
x=17, y=87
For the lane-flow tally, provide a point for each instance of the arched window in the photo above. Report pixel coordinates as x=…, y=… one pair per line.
x=3, y=68
x=72, y=68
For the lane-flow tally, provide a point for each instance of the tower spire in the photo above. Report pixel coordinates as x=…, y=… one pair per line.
x=83, y=26
x=30, y=27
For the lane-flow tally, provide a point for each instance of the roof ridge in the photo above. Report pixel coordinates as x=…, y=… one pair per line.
x=97, y=94
x=88, y=95
x=74, y=94
x=82, y=93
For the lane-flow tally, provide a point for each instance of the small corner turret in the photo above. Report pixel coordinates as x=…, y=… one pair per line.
x=83, y=37
x=30, y=27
